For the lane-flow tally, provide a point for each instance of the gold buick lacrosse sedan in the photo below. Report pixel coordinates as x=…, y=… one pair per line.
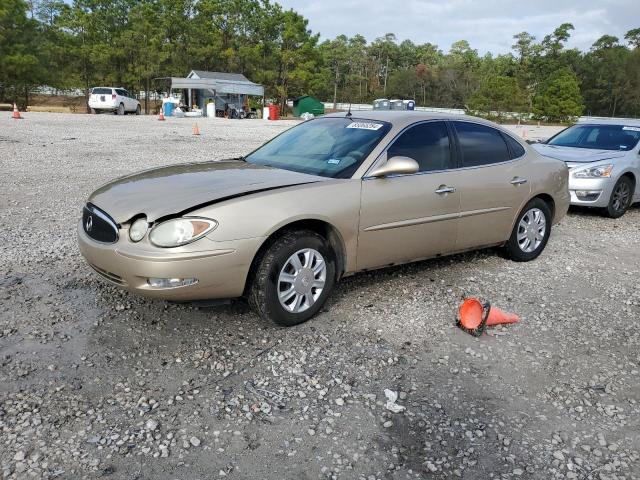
x=330, y=197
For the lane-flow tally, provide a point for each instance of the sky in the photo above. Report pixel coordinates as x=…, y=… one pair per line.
x=488, y=25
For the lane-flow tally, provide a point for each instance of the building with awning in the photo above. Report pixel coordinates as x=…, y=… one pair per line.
x=229, y=92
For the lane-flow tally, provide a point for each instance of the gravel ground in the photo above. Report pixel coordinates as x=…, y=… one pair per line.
x=98, y=383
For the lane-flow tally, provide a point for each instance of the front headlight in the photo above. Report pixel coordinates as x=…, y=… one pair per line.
x=180, y=231
x=600, y=171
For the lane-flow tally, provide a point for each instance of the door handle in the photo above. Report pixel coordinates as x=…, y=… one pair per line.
x=518, y=181
x=442, y=189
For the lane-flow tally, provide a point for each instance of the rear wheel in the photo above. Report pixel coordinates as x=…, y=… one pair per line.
x=138, y=110
x=120, y=110
x=531, y=232
x=621, y=198
x=293, y=278
x=93, y=111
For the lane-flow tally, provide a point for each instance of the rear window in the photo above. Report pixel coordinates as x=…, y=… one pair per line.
x=480, y=145
x=517, y=150
x=101, y=91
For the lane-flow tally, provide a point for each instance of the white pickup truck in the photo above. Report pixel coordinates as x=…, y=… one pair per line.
x=116, y=100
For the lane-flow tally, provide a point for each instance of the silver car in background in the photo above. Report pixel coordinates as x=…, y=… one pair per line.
x=603, y=160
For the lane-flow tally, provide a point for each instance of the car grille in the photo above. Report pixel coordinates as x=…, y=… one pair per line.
x=112, y=277
x=98, y=225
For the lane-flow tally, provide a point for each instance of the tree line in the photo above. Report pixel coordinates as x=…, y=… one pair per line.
x=131, y=43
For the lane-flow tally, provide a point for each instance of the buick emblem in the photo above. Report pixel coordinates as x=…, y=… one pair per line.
x=89, y=223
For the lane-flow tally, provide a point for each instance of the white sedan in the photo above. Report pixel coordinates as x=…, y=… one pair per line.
x=604, y=162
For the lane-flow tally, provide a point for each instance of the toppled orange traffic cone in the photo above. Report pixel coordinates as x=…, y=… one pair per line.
x=161, y=116
x=196, y=130
x=498, y=317
x=16, y=112
x=474, y=315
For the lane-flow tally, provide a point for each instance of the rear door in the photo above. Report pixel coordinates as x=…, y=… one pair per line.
x=122, y=98
x=493, y=184
x=131, y=103
x=410, y=217
x=101, y=96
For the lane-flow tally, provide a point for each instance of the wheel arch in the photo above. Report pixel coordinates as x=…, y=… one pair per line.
x=548, y=199
x=629, y=174
x=323, y=228
x=545, y=197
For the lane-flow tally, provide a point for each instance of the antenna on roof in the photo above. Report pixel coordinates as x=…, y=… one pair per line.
x=349, y=112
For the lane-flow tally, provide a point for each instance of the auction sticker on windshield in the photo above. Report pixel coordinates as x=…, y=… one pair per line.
x=365, y=125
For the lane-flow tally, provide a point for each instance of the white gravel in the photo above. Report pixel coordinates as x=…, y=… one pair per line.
x=95, y=382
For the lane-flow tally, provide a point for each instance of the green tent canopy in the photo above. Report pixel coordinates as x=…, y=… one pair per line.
x=307, y=104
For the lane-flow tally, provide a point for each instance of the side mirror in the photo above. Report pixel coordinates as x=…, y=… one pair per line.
x=396, y=166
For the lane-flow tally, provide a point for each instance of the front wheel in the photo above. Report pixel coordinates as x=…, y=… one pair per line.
x=293, y=278
x=621, y=198
x=531, y=232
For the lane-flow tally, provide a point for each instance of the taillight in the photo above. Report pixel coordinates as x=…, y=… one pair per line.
x=113, y=96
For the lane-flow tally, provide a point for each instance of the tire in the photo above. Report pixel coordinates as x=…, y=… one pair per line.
x=621, y=198
x=120, y=110
x=138, y=110
x=275, y=263
x=524, y=246
x=93, y=111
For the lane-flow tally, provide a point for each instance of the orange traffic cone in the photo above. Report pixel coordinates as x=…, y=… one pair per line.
x=16, y=113
x=498, y=317
x=161, y=116
x=474, y=315
x=196, y=130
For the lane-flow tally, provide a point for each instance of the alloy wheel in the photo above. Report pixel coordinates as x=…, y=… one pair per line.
x=621, y=196
x=302, y=280
x=531, y=230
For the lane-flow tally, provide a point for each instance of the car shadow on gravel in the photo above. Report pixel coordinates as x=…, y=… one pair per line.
x=590, y=212
x=434, y=269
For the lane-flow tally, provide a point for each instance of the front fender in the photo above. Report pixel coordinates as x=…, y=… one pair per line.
x=335, y=202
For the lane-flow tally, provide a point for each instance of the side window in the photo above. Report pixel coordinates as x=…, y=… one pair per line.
x=121, y=92
x=427, y=143
x=480, y=145
x=517, y=150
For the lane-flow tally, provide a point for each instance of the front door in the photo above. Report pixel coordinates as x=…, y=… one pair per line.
x=410, y=217
x=493, y=184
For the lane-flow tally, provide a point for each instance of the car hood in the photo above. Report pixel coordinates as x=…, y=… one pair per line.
x=576, y=155
x=177, y=189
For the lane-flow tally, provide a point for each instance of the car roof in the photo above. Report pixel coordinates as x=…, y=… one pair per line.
x=402, y=118
x=631, y=122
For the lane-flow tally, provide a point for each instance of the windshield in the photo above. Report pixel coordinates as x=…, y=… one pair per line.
x=330, y=147
x=599, y=137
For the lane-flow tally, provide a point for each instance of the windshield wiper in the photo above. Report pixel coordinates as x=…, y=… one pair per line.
x=241, y=159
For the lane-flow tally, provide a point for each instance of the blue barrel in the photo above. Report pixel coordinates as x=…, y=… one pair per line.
x=168, y=108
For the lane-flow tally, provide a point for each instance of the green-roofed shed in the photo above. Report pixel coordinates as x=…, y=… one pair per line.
x=307, y=104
